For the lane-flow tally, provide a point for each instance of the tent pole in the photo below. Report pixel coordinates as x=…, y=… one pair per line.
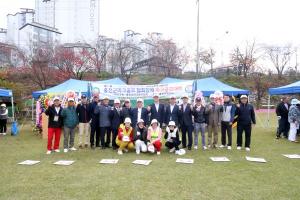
x=13, y=108
x=269, y=101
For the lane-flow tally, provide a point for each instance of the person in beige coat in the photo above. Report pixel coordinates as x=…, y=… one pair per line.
x=214, y=120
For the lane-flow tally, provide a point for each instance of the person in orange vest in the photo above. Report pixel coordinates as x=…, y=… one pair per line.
x=125, y=137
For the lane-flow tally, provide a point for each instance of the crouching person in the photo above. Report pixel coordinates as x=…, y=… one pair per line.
x=140, y=137
x=125, y=137
x=154, y=137
x=172, y=137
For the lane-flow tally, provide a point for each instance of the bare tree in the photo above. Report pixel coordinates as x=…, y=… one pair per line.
x=279, y=57
x=207, y=57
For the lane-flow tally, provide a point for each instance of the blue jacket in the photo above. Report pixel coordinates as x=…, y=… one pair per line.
x=104, y=113
x=245, y=114
x=70, y=117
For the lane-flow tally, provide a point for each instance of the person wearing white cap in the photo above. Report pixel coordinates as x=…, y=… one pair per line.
x=116, y=121
x=126, y=109
x=140, y=137
x=125, y=137
x=154, y=137
x=245, y=119
x=84, y=122
x=214, y=121
x=157, y=110
x=294, y=120
x=172, y=137
x=186, y=122
x=70, y=121
x=139, y=113
x=172, y=111
x=3, y=119
x=104, y=112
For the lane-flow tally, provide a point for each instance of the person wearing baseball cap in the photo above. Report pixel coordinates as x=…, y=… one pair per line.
x=139, y=113
x=172, y=137
x=157, y=110
x=116, y=121
x=84, y=122
x=186, y=123
x=154, y=137
x=70, y=121
x=125, y=137
x=245, y=119
x=172, y=111
x=3, y=119
x=94, y=123
x=140, y=137
x=294, y=120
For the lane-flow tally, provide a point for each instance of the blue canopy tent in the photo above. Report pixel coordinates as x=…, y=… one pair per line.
x=114, y=81
x=172, y=80
x=9, y=94
x=209, y=85
x=293, y=88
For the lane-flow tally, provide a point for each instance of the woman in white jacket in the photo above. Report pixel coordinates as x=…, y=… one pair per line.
x=294, y=120
x=3, y=119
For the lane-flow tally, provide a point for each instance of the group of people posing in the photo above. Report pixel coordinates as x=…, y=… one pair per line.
x=288, y=114
x=143, y=128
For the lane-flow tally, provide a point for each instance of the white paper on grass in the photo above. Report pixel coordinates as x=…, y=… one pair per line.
x=142, y=162
x=64, y=162
x=219, y=159
x=293, y=156
x=29, y=162
x=184, y=160
x=252, y=159
x=109, y=161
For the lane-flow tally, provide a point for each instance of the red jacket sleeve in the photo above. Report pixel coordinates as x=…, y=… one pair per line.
x=120, y=134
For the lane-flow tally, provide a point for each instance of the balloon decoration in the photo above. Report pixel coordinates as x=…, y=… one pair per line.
x=199, y=94
x=219, y=99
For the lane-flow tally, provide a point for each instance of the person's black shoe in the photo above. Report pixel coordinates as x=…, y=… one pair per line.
x=277, y=137
x=189, y=148
x=183, y=147
x=115, y=148
x=107, y=146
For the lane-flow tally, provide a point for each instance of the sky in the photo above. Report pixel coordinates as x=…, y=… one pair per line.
x=265, y=21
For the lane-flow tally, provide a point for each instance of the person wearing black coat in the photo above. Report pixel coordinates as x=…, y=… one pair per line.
x=172, y=137
x=245, y=119
x=55, y=123
x=126, y=109
x=139, y=113
x=94, y=122
x=140, y=137
x=186, y=122
x=282, y=111
x=84, y=121
x=157, y=110
x=172, y=111
x=116, y=120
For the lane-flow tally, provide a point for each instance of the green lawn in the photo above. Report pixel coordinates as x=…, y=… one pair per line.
x=163, y=179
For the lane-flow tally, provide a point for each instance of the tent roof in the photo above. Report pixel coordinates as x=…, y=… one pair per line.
x=5, y=93
x=172, y=80
x=210, y=85
x=293, y=88
x=75, y=85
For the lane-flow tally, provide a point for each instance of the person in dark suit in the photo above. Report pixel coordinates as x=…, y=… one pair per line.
x=172, y=111
x=282, y=111
x=126, y=109
x=94, y=122
x=157, y=110
x=139, y=113
x=116, y=120
x=186, y=111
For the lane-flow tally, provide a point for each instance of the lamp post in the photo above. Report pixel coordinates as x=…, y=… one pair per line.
x=197, y=59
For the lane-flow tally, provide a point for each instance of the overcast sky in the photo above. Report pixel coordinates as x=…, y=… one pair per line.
x=266, y=21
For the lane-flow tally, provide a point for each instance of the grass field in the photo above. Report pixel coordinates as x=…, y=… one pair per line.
x=163, y=179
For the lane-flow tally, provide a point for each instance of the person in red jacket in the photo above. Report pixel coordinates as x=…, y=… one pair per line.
x=125, y=137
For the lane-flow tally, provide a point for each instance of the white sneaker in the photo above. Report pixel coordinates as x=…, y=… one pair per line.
x=4, y=133
x=48, y=152
x=247, y=149
x=158, y=153
x=120, y=152
x=229, y=147
x=73, y=149
x=204, y=148
x=239, y=148
x=56, y=150
x=222, y=146
x=66, y=150
x=177, y=152
x=208, y=146
x=172, y=150
x=196, y=147
x=137, y=152
x=126, y=150
x=0, y=133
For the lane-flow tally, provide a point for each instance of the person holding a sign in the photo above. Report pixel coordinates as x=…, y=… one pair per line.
x=94, y=122
x=154, y=137
x=246, y=117
x=70, y=121
x=140, y=137
x=172, y=137
x=116, y=121
x=186, y=122
x=157, y=110
x=104, y=111
x=125, y=137
x=172, y=111
x=55, y=123
x=84, y=122
x=139, y=113
x=214, y=121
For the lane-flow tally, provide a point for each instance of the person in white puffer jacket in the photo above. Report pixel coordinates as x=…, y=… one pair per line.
x=3, y=119
x=294, y=120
